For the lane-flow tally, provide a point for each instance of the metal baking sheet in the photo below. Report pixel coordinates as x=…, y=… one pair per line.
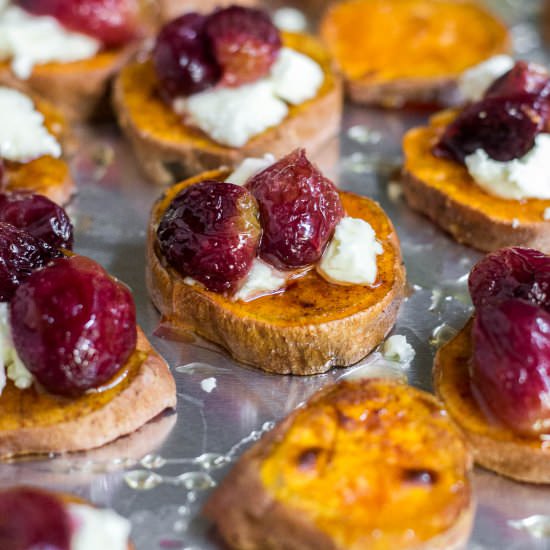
x=160, y=476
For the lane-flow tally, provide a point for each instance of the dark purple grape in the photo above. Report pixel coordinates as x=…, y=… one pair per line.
x=183, y=59
x=20, y=255
x=505, y=128
x=210, y=232
x=33, y=520
x=73, y=325
x=245, y=43
x=299, y=209
x=511, y=273
x=39, y=216
x=511, y=367
x=523, y=78
x=112, y=22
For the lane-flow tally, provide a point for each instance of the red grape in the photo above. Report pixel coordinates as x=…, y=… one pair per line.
x=39, y=216
x=73, y=325
x=299, y=209
x=182, y=57
x=245, y=42
x=511, y=367
x=113, y=22
x=210, y=232
x=505, y=128
x=33, y=520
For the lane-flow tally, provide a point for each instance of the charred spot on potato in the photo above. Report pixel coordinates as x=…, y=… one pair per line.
x=418, y=476
x=307, y=460
x=344, y=421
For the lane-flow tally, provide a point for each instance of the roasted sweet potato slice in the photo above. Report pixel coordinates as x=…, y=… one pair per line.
x=369, y=464
x=405, y=51
x=169, y=151
x=444, y=191
x=494, y=446
x=32, y=421
x=307, y=329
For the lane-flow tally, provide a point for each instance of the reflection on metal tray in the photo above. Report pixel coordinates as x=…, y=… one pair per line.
x=160, y=475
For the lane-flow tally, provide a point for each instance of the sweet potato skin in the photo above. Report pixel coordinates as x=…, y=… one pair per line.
x=282, y=492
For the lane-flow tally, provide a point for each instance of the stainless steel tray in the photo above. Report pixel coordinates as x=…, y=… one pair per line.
x=160, y=476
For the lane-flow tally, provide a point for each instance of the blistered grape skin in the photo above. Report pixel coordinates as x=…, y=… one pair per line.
x=505, y=128
x=511, y=273
x=523, y=78
x=245, y=43
x=73, y=325
x=511, y=364
x=182, y=57
x=210, y=232
x=299, y=209
x=39, y=216
x=32, y=519
x=20, y=255
x=113, y=22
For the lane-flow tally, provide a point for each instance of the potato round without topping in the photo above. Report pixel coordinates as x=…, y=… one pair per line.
x=370, y=464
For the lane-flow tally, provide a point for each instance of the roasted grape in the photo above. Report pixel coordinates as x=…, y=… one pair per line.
x=20, y=255
x=245, y=43
x=511, y=273
x=32, y=520
x=299, y=209
x=210, y=232
x=183, y=59
x=523, y=78
x=112, y=22
x=505, y=128
x=73, y=325
x=39, y=216
x=511, y=366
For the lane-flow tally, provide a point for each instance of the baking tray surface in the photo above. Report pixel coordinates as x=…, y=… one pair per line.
x=160, y=476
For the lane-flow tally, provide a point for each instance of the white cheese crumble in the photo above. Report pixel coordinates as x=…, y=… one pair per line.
x=10, y=363
x=474, y=82
x=250, y=167
x=351, y=254
x=546, y=214
x=96, y=528
x=396, y=348
x=23, y=135
x=526, y=177
x=29, y=40
x=262, y=279
x=289, y=19
x=231, y=116
x=209, y=384
x=295, y=76
x=395, y=191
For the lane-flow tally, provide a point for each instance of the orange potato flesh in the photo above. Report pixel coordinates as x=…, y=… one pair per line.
x=373, y=464
x=453, y=179
x=381, y=40
x=35, y=408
